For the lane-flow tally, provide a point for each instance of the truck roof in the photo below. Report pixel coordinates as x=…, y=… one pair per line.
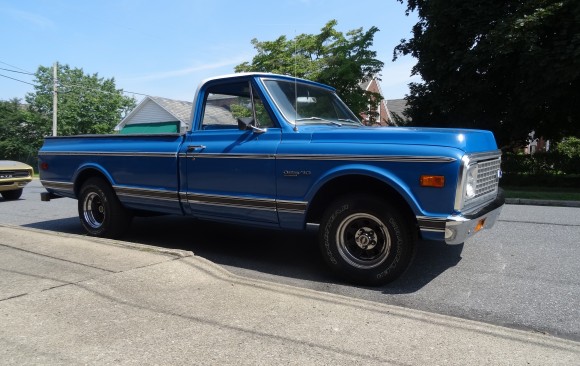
x=266, y=75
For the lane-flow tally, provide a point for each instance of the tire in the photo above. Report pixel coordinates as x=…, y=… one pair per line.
x=365, y=240
x=100, y=211
x=12, y=195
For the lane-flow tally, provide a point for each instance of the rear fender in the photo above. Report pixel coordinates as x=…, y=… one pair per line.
x=87, y=171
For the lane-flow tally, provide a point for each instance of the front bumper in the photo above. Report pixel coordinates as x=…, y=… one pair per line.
x=459, y=228
x=14, y=185
x=456, y=229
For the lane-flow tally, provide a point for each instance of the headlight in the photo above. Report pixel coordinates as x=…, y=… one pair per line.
x=471, y=184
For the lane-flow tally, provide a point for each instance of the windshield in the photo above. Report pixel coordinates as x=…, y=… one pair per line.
x=308, y=104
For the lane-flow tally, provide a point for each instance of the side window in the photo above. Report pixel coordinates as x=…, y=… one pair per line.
x=226, y=104
x=262, y=116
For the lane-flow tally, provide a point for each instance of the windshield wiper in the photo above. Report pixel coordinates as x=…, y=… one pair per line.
x=319, y=119
x=348, y=120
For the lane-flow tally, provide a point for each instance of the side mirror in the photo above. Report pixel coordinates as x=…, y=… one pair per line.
x=247, y=123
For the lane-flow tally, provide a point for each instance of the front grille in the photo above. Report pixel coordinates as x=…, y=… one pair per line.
x=486, y=186
x=9, y=174
x=487, y=177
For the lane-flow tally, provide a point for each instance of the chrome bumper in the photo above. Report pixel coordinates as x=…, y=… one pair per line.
x=455, y=229
x=458, y=228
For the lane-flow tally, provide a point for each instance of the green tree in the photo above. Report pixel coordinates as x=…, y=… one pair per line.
x=510, y=66
x=569, y=147
x=330, y=57
x=87, y=104
x=21, y=131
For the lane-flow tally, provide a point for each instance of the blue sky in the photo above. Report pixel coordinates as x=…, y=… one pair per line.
x=166, y=48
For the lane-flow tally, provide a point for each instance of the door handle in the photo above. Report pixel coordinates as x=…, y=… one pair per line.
x=195, y=147
x=192, y=148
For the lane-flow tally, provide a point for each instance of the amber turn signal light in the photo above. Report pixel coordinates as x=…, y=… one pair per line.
x=437, y=181
x=480, y=225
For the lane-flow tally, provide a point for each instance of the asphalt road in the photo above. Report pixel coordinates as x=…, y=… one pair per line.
x=524, y=273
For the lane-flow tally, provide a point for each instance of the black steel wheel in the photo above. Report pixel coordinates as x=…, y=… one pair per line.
x=366, y=240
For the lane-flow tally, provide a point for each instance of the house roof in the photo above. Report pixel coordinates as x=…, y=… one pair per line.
x=397, y=107
x=365, y=85
x=178, y=109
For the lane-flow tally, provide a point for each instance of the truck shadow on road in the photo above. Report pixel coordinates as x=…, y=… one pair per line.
x=263, y=253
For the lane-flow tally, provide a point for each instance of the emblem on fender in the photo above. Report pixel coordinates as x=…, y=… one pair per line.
x=296, y=173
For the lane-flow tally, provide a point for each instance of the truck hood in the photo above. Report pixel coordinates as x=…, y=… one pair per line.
x=467, y=140
x=13, y=165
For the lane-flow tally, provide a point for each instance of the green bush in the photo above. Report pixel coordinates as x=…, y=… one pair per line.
x=555, y=162
x=568, y=152
x=570, y=147
x=570, y=181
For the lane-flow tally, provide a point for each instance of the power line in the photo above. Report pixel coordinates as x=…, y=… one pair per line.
x=61, y=84
x=19, y=72
x=98, y=90
x=22, y=81
x=77, y=86
x=16, y=67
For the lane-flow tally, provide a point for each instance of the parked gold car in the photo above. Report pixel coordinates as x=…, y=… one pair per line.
x=13, y=177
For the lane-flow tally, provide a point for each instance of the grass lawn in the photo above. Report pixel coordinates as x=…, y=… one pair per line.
x=543, y=193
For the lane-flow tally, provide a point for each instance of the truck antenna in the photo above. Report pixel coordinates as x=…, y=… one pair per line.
x=295, y=85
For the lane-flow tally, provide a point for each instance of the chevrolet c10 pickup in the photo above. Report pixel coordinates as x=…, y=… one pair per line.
x=274, y=151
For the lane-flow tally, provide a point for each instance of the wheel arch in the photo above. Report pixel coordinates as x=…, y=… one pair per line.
x=342, y=185
x=89, y=171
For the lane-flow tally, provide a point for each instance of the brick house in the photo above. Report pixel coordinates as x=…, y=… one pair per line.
x=387, y=112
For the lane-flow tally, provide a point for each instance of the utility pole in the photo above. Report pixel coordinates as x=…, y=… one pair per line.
x=54, y=97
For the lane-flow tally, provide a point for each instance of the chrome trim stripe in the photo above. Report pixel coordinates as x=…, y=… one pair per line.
x=326, y=157
x=249, y=203
x=102, y=153
x=431, y=224
x=227, y=156
x=146, y=193
x=61, y=186
x=249, y=207
x=230, y=201
x=292, y=206
x=486, y=155
x=461, y=179
x=389, y=158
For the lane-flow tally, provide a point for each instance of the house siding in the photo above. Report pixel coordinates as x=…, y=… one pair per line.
x=151, y=113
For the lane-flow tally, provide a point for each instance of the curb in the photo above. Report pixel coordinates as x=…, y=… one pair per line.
x=536, y=202
x=178, y=253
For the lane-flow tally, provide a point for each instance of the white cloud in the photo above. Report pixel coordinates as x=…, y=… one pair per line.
x=32, y=18
x=188, y=70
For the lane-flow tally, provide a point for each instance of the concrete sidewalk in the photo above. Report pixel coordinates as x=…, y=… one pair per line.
x=67, y=299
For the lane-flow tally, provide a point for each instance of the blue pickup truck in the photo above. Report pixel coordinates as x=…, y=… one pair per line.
x=274, y=151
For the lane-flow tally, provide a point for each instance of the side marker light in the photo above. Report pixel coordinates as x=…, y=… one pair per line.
x=437, y=181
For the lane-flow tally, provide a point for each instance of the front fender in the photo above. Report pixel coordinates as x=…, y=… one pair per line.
x=380, y=174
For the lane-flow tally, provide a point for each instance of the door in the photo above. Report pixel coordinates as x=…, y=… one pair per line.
x=230, y=157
